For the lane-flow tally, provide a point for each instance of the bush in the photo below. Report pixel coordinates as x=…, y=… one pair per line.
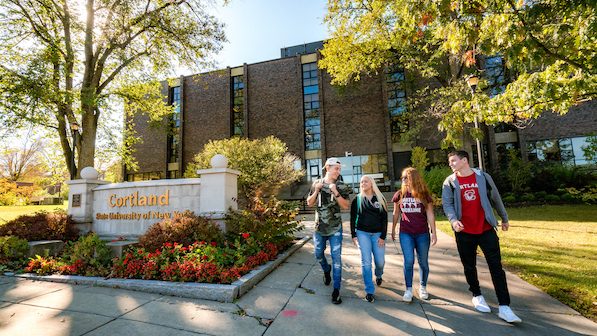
x=508, y=194
x=509, y=199
x=41, y=226
x=552, y=198
x=527, y=197
x=270, y=221
x=434, y=178
x=11, y=195
x=568, y=197
x=264, y=163
x=12, y=250
x=87, y=256
x=184, y=230
x=540, y=194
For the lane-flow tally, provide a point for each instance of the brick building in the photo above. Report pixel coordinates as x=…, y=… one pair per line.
x=293, y=100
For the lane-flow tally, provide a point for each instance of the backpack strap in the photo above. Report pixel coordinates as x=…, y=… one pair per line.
x=358, y=210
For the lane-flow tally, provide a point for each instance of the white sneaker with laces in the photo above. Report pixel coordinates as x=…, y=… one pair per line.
x=408, y=296
x=423, y=295
x=480, y=304
x=508, y=315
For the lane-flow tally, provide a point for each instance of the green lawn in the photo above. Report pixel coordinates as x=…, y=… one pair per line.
x=8, y=213
x=554, y=247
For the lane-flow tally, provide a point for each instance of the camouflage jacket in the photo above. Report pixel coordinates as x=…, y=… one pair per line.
x=328, y=219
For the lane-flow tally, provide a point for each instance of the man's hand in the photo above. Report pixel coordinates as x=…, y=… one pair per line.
x=505, y=226
x=334, y=189
x=457, y=226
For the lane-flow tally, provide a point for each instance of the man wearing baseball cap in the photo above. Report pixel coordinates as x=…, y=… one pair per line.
x=330, y=194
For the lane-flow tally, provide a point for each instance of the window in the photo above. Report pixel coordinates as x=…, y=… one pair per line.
x=313, y=169
x=144, y=176
x=565, y=150
x=354, y=167
x=238, y=106
x=311, y=107
x=396, y=101
x=174, y=137
x=503, y=150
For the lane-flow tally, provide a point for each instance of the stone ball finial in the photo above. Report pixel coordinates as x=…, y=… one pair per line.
x=89, y=173
x=219, y=161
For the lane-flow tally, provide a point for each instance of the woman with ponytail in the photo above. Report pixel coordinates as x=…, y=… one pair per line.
x=413, y=206
x=369, y=226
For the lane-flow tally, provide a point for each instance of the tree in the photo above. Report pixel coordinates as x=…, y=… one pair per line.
x=66, y=62
x=548, y=49
x=265, y=164
x=17, y=163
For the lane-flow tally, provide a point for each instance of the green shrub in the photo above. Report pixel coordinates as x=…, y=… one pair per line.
x=552, y=198
x=41, y=226
x=509, y=199
x=12, y=250
x=88, y=256
x=560, y=192
x=264, y=163
x=568, y=197
x=527, y=197
x=508, y=194
x=434, y=178
x=184, y=230
x=540, y=194
x=270, y=221
x=518, y=173
x=419, y=158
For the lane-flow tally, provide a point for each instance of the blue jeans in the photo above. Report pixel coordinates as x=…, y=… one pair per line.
x=369, y=244
x=409, y=243
x=336, y=250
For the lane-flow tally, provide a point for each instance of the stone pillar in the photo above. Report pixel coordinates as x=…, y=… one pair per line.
x=219, y=189
x=80, y=199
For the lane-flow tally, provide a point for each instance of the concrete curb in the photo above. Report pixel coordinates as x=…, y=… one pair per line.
x=214, y=292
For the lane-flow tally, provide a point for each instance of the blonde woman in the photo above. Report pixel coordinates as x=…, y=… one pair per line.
x=413, y=206
x=369, y=226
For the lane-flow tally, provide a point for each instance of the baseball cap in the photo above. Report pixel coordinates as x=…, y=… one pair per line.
x=332, y=162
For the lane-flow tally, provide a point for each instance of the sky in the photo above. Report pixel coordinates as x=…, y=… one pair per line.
x=258, y=29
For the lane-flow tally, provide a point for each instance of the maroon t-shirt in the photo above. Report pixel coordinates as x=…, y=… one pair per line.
x=473, y=215
x=413, y=218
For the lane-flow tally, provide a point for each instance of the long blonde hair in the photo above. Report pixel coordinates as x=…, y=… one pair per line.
x=380, y=198
x=418, y=188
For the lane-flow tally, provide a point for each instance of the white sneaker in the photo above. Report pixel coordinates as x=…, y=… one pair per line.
x=508, y=315
x=480, y=304
x=408, y=296
x=423, y=293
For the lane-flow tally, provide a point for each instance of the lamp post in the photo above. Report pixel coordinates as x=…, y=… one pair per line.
x=75, y=129
x=472, y=82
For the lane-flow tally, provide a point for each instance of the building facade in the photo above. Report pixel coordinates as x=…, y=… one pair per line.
x=293, y=100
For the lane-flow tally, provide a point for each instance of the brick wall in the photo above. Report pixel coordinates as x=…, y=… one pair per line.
x=206, y=111
x=354, y=121
x=576, y=123
x=151, y=152
x=274, y=91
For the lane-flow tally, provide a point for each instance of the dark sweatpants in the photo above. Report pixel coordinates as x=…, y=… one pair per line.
x=490, y=245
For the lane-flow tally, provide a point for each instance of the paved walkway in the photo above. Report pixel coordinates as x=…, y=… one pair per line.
x=292, y=301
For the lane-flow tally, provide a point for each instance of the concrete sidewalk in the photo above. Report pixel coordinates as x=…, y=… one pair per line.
x=293, y=300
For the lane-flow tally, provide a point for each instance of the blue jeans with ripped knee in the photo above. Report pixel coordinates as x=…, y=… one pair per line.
x=320, y=243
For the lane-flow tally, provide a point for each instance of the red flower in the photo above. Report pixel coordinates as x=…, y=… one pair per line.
x=245, y=235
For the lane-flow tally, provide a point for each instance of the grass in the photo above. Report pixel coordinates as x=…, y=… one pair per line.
x=553, y=247
x=9, y=212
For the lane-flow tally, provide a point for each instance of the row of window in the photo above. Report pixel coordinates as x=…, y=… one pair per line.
x=396, y=101
x=174, y=136
x=311, y=107
x=238, y=106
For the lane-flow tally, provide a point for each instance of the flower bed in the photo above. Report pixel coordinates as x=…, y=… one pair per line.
x=167, y=253
x=199, y=262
